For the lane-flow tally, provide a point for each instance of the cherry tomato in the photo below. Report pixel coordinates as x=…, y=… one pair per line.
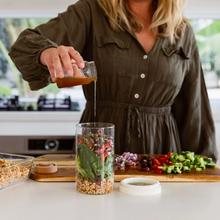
x=168, y=155
x=166, y=161
x=90, y=145
x=107, y=144
x=100, y=151
x=154, y=167
x=80, y=141
x=156, y=162
x=161, y=157
x=158, y=171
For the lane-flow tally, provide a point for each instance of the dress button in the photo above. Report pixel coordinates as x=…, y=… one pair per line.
x=145, y=57
x=142, y=75
x=136, y=96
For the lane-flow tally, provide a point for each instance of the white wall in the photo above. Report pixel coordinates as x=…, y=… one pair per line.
x=33, y=8
x=203, y=9
x=50, y=8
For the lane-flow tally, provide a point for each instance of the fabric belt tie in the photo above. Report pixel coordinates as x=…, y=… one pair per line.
x=130, y=124
x=132, y=110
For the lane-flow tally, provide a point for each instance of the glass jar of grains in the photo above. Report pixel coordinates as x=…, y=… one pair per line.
x=95, y=158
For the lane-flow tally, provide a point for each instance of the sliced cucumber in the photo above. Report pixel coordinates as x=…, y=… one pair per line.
x=196, y=160
x=188, y=171
x=199, y=169
x=169, y=170
x=181, y=158
x=203, y=167
x=208, y=160
x=185, y=168
x=183, y=153
x=178, y=170
x=186, y=161
x=209, y=165
x=190, y=156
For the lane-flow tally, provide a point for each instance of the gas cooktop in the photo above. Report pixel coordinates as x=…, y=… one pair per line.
x=42, y=103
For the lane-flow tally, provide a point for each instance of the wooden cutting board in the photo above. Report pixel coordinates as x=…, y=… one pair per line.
x=66, y=171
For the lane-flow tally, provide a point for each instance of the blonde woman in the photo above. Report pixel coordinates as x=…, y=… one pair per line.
x=150, y=81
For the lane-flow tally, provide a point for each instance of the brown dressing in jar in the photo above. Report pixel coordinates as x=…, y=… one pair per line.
x=72, y=81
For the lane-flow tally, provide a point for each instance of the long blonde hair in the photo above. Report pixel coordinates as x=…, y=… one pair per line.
x=167, y=21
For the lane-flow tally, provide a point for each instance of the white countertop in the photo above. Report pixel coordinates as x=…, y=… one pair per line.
x=60, y=201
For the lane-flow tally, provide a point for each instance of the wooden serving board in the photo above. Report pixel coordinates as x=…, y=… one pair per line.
x=66, y=172
x=65, y=168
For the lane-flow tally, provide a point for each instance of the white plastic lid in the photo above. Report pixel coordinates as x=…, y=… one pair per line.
x=140, y=186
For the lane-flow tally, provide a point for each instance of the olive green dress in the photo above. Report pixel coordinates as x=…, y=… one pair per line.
x=158, y=100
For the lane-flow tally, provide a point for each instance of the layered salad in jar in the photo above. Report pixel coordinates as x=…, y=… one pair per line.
x=94, y=162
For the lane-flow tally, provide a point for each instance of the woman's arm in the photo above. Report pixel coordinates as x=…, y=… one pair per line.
x=192, y=112
x=38, y=51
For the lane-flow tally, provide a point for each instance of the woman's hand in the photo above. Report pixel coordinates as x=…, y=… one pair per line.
x=62, y=57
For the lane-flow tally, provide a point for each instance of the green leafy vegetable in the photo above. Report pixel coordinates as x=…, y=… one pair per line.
x=94, y=161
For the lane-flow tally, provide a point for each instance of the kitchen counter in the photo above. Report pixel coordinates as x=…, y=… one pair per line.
x=60, y=201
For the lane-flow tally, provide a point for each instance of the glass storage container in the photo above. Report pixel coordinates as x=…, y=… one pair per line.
x=95, y=158
x=14, y=169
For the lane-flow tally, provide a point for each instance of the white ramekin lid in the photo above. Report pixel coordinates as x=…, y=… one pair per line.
x=140, y=186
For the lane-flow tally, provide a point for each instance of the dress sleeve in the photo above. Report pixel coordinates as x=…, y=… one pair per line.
x=192, y=112
x=70, y=28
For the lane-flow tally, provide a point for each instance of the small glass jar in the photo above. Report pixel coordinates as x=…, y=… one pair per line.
x=95, y=158
x=84, y=76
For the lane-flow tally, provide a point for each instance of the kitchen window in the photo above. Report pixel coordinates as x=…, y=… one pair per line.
x=207, y=32
x=11, y=82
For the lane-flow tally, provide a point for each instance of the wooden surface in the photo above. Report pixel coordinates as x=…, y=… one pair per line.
x=66, y=172
x=65, y=168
